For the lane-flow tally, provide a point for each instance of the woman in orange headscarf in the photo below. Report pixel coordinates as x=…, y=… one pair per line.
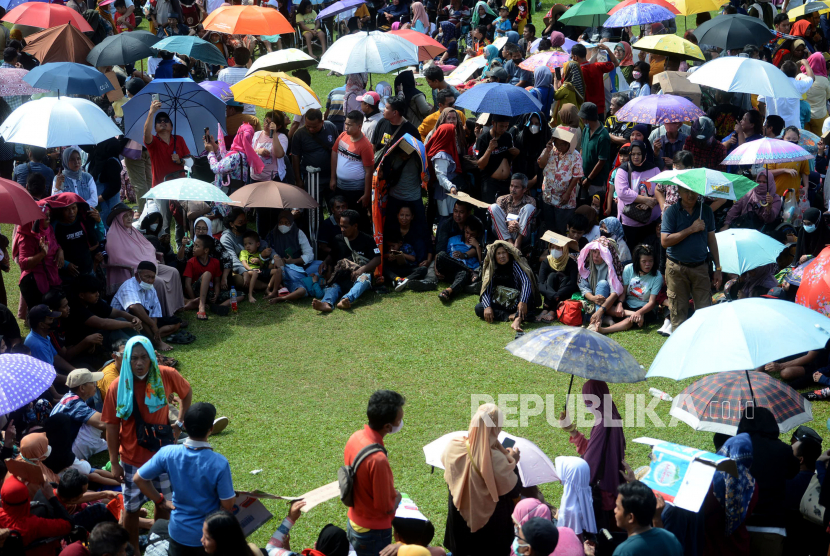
x=34, y=448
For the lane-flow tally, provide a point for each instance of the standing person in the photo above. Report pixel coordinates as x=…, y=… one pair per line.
x=619, y=132
x=417, y=107
x=375, y=496
x=688, y=234
x=596, y=152
x=791, y=175
x=632, y=187
x=352, y=165
x=271, y=144
x=200, y=479
x=124, y=406
x=593, y=73
x=819, y=93
x=483, y=481
x=634, y=512
x=355, y=88
x=236, y=73
x=789, y=108
x=138, y=163
x=667, y=140
x=495, y=151
x=311, y=146
x=369, y=105
x=36, y=250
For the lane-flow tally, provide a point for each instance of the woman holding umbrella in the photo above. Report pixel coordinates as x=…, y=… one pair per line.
x=36, y=250
x=758, y=208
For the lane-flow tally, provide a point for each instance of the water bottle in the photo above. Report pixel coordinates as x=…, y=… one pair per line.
x=421, y=68
x=233, y=299
x=660, y=394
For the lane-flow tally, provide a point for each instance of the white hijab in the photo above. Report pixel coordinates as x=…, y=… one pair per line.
x=576, y=511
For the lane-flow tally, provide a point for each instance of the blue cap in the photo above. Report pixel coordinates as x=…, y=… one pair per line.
x=234, y=103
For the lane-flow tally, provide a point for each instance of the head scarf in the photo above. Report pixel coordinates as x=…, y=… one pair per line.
x=126, y=246
x=356, y=82
x=569, y=115
x=800, y=29
x=332, y=541
x=569, y=544
x=413, y=550
x=243, y=143
x=542, y=77
x=628, y=59
x=530, y=508
x=444, y=140
x=812, y=243
x=587, y=268
x=589, y=213
x=475, y=17
x=15, y=497
x=756, y=199
x=207, y=222
x=572, y=74
x=818, y=64
x=154, y=396
x=735, y=493
x=557, y=39
x=34, y=448
x=512, y=36
x=648, y=156
x=576, y=508
x=607, y=441
x=478, y=469
x=67, y=153
x=490, y=53
x=760, y=277
x=614, y=227
x=419, y=13
x=645, y=129
x=406, y=79
x=489, y=267
x=448, y=33
x=559, y=264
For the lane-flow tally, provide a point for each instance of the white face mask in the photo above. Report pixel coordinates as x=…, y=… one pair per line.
x=534, y=129
x=636, y=74
x=284, y=229
x=556, y=253
x=142, y=377
x=154, y=227
x=397, y=428
x=145, y=286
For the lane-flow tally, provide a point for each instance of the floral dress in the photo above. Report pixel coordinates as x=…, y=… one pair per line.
x=558, y=173
x=234, y=166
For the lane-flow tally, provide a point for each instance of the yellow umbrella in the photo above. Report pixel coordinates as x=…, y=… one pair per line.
x=808, y=8
x=690, y=7
x=276, y=91
x=670, y=45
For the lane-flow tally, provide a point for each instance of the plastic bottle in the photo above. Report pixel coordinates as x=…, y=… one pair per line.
x=660, y=394
x=233, y=299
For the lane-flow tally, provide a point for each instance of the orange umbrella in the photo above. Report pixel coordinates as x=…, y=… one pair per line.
x=59, y=44
x=814, y=291
x=273, y=194
x=428, y=48
x=247, y=20
x=45, y=16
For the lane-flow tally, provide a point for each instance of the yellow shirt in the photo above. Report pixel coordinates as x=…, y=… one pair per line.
x=110, y=374
x=784, y=181
x=362, y=11
x=429, y=123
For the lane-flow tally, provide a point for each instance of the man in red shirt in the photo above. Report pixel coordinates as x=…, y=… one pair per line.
x=592, y=74
x=375, y=497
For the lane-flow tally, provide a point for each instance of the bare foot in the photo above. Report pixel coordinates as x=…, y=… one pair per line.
x=278, y=299
x=251, y=299
x=320, y=306
x=517, y=325
x=165, y=347
x=191, y=304
x=344, y=304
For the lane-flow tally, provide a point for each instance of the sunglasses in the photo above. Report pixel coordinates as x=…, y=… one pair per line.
x=163, y=121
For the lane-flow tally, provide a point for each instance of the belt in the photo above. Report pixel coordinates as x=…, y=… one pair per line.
x=687, y=265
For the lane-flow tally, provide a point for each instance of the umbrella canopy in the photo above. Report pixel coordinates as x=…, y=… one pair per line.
x=766, y=151
x=808, y=141
x=193, y=47
x=808, y=8
x=187, y=189
x=659, y=109
x=709, y=183
x=276, y=91
x=339, y=7
x=670, y=45
x=22, y=379
x=219, y=89
x=691, y=7
x=590, y=13
x=499, y=98
x=287, y=59
x=551, y=59
x=8, y=5
x=57, y=122
x=743, y=334
x=627, y=3
x=16, y=205
x=372, y=52
x=191, y=109
x=795, y=275
x=741, y=250
x=534, y=46
x=46, y=16
x=535, y=467
x=814, y=291
x=733, y=31
x=12, y=83
x=59, y=44
x=639, y=13
x=744, y=75
x=69, y=78
x=428, y=48
x=273, y=194
x=247, y=20
x=122, y=49
x=716, y=403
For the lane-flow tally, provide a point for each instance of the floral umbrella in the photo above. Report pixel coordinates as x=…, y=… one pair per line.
x=550, y=59
x=659, y=109
x=814, y=291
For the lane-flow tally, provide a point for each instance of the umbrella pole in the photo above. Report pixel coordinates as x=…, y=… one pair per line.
x=751, y=393
x=569, y=394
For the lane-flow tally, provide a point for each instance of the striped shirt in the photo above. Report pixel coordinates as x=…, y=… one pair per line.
x=520, y=278
x=130, y=294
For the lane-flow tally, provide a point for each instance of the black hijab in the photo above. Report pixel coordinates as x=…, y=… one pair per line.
x=813, y=243
x=406, y=79
x=333, y=541
x=648, y=156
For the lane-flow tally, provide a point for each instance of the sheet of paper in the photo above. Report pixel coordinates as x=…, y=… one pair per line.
x=320, y=495
x=260, y=494
x=250, y=512
x=695, y=486
x=28, y=472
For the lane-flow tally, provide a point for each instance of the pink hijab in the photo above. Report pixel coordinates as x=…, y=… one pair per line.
x=127, y=246
x=243, y=143
x=818, y=64
x=607, y=248
x=420, y=13
x=530, y=508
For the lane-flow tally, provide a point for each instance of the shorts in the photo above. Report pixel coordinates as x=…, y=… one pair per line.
x=264, y=275
x=224, y=295
x=133, y=497
x=167, y=321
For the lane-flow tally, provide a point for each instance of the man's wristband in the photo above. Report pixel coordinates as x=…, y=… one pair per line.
x=180, y=425
x=160, y=501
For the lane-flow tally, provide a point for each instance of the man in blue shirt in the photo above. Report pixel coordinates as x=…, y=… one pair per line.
x=41, y=320
x=34, y=166
x=518, y=76
x=201, y=481
x=634, y=512
x=85, y=423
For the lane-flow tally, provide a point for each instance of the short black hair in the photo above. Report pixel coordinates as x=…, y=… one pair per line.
x=250, y=233
x=337, y=199
x=579, y=50
x=36, y=185
x=776, y=122
x=639, y=251
x=351, y=215
x=578, y=222
x=241, y=55
x=180, y=71
x=442, y=95
x=511, y=47
x=757, y=121
x=793, y=129
x=314, y=115
x=474, y=223
x=119, y=4
x=36, y=153
x=414, y=531
x=72, y=484
x=789, y=68
x=810, y=451
x=166, y=55
x=118, y=344
x=625, y=150
x=638, y=499
x=9, y=54
x=199, y=419
x=482, y=29
x=303, y=75
x=397, y=104
x=356, y=116
x=434, y=73
x=383, y=405
x=751, y=49
x=780, y=18
x=53, y=298
x=531, y=27
x=353, y=24
x=107, y=538
x=209, y=243
x=86, y=283
x=686, y=158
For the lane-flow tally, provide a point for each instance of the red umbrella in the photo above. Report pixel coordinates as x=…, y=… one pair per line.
x=45, y=16
x=16, y=205
x=661, y=3
x=428, y=48
x=814, y=291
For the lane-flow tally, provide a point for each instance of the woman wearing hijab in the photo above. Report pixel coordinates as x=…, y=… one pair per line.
x=16, y=515
x=34, y=448
x=567, y=114
x=105, y=169
x=417, y=107
x=633, y=188
x=571, y=90
x=611, y=227
x=558, y=275
x=792, y=49
x=233, y=169
x=576, y=510
x=542, y=88
x=482, y=15
x=201, y=227
x=483, y=481
x=813, y=236
x=356, y=86
x=40, y=257
x=491, y=53
x=819, y=93
x=291, y=247
x=508, y=286
x=448, y=38
x=805, y=31
x=78, y=232
x=625, y=56
x=419, y=21
x=756, y=209
x=600, y=278
x=530, y=135
x=445, y=163
x=74, y=180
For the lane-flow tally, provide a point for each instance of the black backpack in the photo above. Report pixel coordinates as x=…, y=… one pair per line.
x=346, y=474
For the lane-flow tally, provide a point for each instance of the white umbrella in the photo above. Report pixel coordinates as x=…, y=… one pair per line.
x=57, y=122
x=535, y=467
x=286, y=59
x=745, y=75
x=188, y=189
x=741, y=250
x=372, y=52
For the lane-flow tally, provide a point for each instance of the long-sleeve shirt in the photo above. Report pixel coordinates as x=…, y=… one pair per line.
x=233, y=246
x=567, y=287
x=233, y=165
x=277, y=540
x=520, y=278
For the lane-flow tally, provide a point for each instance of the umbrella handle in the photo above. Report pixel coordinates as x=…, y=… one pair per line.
x=565, y=409
x=751, y=393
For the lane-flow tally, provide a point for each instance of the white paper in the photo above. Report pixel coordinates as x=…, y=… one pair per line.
x=319, y=495
x=695, y=486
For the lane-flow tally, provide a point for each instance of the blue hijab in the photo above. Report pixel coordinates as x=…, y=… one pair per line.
x=490, y=53
x=735, y=493
x=614, y=228
x=512, y=36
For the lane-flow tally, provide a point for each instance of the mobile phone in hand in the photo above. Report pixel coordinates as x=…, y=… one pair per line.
x=558, y=73
x=155, y=97
x=508, y=442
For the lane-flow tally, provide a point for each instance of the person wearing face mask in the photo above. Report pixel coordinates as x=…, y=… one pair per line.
x=757, y=208
x=530, y=135
x=791, y=175
x=640, y=86
x=375, y=497
x=86, y=424
x=537, y=537
x=813, y=236
x=41, y=321
x=558, y=274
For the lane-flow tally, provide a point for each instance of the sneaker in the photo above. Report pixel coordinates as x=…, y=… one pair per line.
x=400, y=284
x=220, y=424
x=665, y=330
x=422, y=285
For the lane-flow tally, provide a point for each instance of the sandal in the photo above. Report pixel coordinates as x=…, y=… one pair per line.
x=166, y=361
x=201, y=316
x=445, y=296
x=550, y=317
x=181, y=338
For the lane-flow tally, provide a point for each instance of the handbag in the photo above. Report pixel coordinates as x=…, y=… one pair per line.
x=634, y=211
x=132, y=150
x=151, y=437
x=809, y=507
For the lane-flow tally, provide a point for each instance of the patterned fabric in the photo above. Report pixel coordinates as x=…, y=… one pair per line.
x=127, y=191
x=557, y=174
x=814, y=291
x=155, y=398
x=608, y=249
x=670, y=192
x=660, y=109
x=133, y=498
x=505, y=203
x=234, y=166
x=735, y=493
x=706, y=155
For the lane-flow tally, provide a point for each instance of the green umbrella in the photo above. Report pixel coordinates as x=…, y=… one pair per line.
x=590, y=13
x=708, y=183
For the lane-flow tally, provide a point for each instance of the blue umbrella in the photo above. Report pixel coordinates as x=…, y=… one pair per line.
x=640, y=13
x=191, y=109
x=69, y=78
x=9, y=4
x=499, y=98
x=741, y=250
x=193, y=47
x=22, y=379
x=339, y=7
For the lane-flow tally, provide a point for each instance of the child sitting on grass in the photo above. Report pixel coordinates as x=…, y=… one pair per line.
x=462, y=260
x=400, y=257
x=256, y=266
x=201, y=273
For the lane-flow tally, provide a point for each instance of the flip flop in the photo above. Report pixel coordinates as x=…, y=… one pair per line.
x=201, y=316
x=181, y=338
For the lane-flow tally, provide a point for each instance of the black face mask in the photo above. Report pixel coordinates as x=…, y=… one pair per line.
x=603, y=233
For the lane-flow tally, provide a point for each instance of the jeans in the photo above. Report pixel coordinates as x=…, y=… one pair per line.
x=369, y=543
x=293, y=278
x=360, y=286
x=603, y=288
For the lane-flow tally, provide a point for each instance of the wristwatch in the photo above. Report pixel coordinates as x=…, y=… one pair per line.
x=718, y=269
x=180, y=425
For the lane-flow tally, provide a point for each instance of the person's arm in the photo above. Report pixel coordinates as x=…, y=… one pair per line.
x=150, y=121
x=485, y=158
x=138, y=310
x=717, y=277
x=148, y=489
x=230, y=248
x=244, y=260
x=113, y=447
x=307, y=252
x=61, y=364
x=366, y=198
x=671, y=239
x=423, y=108
x=370, y=267
x=95, y=422
x=807, y=70
x=333, y=174
x=441, y=170
x=99, y=323
x=277, y=150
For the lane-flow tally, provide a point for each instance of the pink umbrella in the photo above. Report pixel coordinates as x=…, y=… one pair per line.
x=12, y=84
x=659, y=109
x=16, y=205
x=767, y=151
x=550, y=59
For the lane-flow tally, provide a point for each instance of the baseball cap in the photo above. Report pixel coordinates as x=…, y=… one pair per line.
x=134, y=85
x=199, y=418
x=371, y=98
x=806, y=434
x=40, y=313
x=704, y=129
x=234, y=103
x=79, y=377
x=500, y=74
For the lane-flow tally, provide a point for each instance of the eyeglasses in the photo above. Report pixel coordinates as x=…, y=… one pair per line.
x=163, y=121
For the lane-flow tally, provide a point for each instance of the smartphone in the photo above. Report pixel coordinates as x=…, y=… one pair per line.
x=155, y=97
x=508, y=442
x=558, y=73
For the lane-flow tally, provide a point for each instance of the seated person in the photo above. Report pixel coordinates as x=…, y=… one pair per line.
x=576, y=228
x=612, y=227
x=293, y=256
x=111, y=370
x=558, y=275
x=331, y=225
x=461, y=262
x=85, y=508
x=400, y=257
x=508, y=286
x=15, y=514
x=600, y=277
x=332, y=540
x=202, y=273
x=174, y=27
x=9, y=329
x=86, y=422
x=415, y=532
x=255, y=263
x=642, y=283
x=513, y=213
x=41, y=320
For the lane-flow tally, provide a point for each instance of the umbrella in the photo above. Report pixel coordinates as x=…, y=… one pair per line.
x=287, y=59
x=123, y=49
x=499, y=98
x=22, y=379
x=709, y=183
x=219, y=89
x=534, y=46
x=744, y=75
x=12, y=83
x=669, y=45
x=590, y=13
x=659, y=109
x=57, y=122
x=691, y=7
x=639, y=13
x=372, y=52
x=46, y=16
x=738, y=335
x=247, y=20
x=191, y=108
x=716, y=403
x=808, y=8
x=193, y=47
x=428, y=48
x=741, y=250
x=627, y=3
x=734, y=31
x=16, y=205
x=814, y=291
x=795, y=275
x=339, y=7
x=273, y=194
x=766, y=151
x=535, y=467
x=276, y=91
x=8, y=5
x=187, y=189
x=808, y=141
x=69, y=78
x=551, y=59
x=59, y=44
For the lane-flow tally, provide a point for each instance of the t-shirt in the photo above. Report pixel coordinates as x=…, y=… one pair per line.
x=75, y=242
x=111, y=372
x=194, y=268
x=334, y=106
x=517, y=74
x=788, y=108
x=592, y=75
x=77, y=410
x=695, y=247
x=121, y=27
x=161, y=156
x=638, y=288
x=315, y=150
x=456, y=245
x=200, y=478
x=784, y=182
x=130, y=293
x=40, y=347
x=505, y=143
x=363, y=248
x=652, y=542
x=385, y=131
x=352, y=159
x=79, y=313
x=130, y=451
x=329, y=229
x=233, y=75
x=309, y=19
x=246, y=256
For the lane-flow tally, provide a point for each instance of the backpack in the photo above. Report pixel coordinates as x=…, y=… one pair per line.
x=570, y=312
x=346, y=474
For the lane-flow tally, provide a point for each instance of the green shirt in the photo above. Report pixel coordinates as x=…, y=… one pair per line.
x=596, y=146
x=652, y=542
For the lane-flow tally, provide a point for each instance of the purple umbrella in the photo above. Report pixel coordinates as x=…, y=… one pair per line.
x=22, y=379
x=338, y=7
x=638, y=14
x=659, y=109
x=534, y=46
x=219, y=89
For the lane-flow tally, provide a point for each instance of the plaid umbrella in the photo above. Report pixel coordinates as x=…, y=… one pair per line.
x=12, y=84
x=814, y=291
x=715, y=403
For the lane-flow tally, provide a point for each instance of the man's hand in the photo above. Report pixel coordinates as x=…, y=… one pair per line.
x=59, y=259
x=790, y=172
x=94, y=215
x=365, y=200
x=658, y=144
x=731, y=141
x=628, y=474
x=391, y=550
x=489, y=315
x=514, y=453
x=95, y=339
x=590, y=547
x=176, y=158
x=47, y=490
x=73, y=270
x=697, y=226
x=166, y=505
x=494, y=144
x=717, y=279
x=521, y=310
x=117, y=471
x=155, y=106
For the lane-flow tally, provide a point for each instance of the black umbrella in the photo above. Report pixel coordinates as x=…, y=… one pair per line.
x=734, y=32
x=122, y=49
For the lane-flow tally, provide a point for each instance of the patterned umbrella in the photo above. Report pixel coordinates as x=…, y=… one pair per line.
x=795, y=275
x=708, y=183
x=550, y=59
x=22, y=379
x=639, y=14
x=808, y=141
x=814, y=291
x=808, y=8
x=219, y=89
x=12, y=84
x=188, y=189
x=659, y=109
x=627, y=3
x=716, y=403
x=766, y=151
